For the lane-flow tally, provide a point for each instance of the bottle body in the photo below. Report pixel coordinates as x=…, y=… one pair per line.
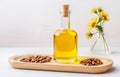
x=100, y=44
x=65, y=46
x=65, y=40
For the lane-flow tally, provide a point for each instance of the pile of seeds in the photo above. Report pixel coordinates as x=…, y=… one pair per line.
x=91, y=62
x=36, y=59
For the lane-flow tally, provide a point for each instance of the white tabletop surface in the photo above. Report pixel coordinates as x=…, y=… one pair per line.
x=7, y=71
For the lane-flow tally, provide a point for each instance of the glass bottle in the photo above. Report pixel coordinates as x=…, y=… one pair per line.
x=100, y=44
x=65, y=40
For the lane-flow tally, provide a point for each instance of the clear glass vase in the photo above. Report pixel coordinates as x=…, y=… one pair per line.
x=100, y=44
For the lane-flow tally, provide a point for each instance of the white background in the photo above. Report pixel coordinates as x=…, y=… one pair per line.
x=33, y=22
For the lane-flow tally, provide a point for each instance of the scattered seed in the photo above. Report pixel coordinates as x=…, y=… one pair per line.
x=91, y=62
x=36, y=59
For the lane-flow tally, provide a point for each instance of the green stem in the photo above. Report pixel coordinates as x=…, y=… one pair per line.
x=94, y=43
x=105, y=44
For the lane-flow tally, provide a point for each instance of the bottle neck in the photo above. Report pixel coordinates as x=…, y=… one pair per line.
x=65, y=21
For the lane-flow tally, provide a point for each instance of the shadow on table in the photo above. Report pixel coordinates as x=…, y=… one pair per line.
x=113, y=69
x=115, y=52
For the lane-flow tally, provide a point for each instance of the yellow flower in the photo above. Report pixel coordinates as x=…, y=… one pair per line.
x=104, y=16
x=100, y=9
x=94, y=10
x=92, y=24
x=88, y=35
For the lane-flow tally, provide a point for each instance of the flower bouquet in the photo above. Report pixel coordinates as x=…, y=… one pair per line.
x=96, y=31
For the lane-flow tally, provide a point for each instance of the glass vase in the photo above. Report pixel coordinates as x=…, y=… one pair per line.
x=100, y=44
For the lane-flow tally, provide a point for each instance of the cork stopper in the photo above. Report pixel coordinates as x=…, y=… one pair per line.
x=65, y=10
x=66, y=7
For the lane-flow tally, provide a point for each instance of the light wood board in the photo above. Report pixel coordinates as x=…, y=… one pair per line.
x=53, y=66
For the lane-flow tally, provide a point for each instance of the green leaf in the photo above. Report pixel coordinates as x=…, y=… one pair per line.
x=99, y=19
x=99, y=28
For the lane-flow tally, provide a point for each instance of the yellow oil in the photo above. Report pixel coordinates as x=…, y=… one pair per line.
x=65, y=46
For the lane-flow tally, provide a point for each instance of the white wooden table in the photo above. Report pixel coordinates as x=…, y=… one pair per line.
x=7, y=71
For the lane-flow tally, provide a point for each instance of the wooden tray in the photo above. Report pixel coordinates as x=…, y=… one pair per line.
x=53, y=66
